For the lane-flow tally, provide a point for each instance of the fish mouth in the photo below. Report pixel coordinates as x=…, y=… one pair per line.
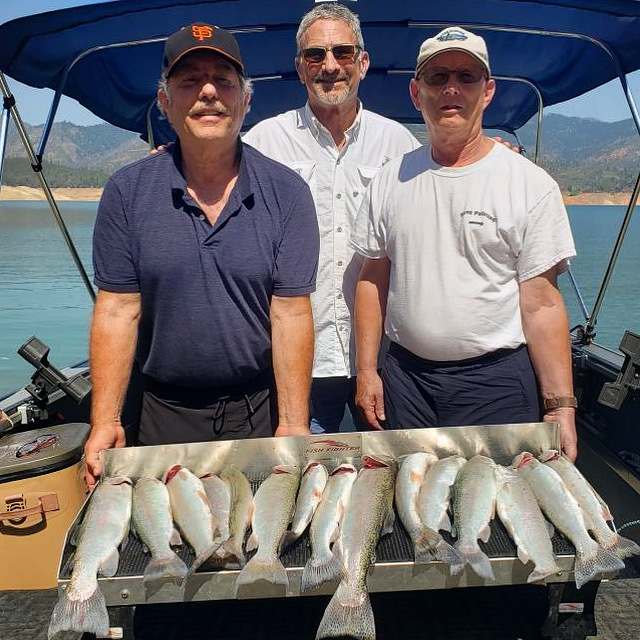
x=116, y=480
x=370, y=462
x=549, y=456
x=522, y=460
x=343, y=468
x=310, y=466
x=173, y=471
x=284, y=469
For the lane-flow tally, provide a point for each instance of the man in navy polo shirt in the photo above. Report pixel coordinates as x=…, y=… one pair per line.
x=205, y=256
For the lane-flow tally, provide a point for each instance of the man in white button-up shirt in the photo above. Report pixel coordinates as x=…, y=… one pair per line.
x=337, y=146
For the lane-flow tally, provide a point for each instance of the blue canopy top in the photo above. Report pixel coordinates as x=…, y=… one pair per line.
x=564, y=48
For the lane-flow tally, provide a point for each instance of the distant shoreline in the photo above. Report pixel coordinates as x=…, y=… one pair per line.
x=93, y=195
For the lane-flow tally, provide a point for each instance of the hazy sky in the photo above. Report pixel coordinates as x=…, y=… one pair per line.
x=605, y=103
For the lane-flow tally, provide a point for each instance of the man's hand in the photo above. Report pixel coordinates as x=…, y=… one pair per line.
x=506, y=143
x=566, y=418
x=287, y=430
x=370, y=398
x=101, y=437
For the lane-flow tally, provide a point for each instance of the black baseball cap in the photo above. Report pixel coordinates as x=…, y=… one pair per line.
x=199, y=37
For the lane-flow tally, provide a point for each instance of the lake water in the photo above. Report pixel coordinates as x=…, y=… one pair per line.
x=42, y=294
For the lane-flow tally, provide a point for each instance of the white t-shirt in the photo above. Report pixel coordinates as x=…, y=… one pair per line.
x=459, y=241
x=338, y=179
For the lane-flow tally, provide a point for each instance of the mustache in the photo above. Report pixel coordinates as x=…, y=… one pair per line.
x=211, y=106
x=330, y=77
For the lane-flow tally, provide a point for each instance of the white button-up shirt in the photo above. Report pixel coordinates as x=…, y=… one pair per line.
x=338, y=179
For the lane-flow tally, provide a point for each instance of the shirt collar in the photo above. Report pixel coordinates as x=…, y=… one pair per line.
x=307, y=119
x=243, y=189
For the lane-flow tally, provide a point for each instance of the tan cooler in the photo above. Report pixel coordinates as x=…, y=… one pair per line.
x=41, y=491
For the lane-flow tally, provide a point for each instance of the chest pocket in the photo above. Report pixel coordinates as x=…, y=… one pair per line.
x=366, y=174
x=307, y=171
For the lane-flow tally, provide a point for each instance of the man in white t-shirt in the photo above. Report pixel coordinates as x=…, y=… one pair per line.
x=337, y=146
x=463, y=241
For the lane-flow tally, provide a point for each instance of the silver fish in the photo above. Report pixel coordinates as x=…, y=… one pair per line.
x=151, y=516
x=370, y=515
x=274, y=504
x=192, y=513
x=241, y=510
x=82, y=607
x=594, y=510
x=519, y=512
x=563, y=510
x=325, y=525
x=314, y=480
x=474, y=506
x=219, y=495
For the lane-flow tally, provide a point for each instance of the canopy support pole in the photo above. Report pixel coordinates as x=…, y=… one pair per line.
x=37, y=168
x=589, y=330
x=4, y=130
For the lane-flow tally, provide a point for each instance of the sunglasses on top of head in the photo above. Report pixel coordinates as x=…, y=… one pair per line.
x=439, y=76
x=341, y=53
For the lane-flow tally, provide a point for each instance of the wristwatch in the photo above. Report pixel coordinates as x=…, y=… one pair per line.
x=549, y=404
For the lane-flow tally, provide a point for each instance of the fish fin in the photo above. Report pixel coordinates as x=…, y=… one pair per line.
x=430, y=545
x=523, y=556
x=550, y=528
x=288, y=538
x=485, y=534
x=588, y=521
x=389, y=521
x=205, y=559
x=623, y=547
x=334, y=535
x=109, y=566
x=167, y=568
x=540, y=573
x=269, y=569
x=317, y=571
x=176, y=538
x=453, y=530
x=252, y=542
x=588, y=567
x=472, y=554
x=81, y=616
x=348, y=614
x=335, y=568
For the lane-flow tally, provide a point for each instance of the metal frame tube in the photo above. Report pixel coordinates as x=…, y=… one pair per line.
x=4, y=134
x=37, y=167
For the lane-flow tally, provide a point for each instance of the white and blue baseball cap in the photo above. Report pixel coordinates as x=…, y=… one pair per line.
x=454, y=39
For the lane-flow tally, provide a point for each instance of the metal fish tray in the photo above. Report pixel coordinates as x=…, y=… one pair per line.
x=394, y=569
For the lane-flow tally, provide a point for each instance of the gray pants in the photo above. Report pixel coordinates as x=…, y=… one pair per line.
x=172, y=414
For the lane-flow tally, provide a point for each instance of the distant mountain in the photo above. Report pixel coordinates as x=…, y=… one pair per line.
x=583, y=155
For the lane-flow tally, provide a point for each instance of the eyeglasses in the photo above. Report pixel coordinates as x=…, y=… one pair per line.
x=439, y=76
x=341, y=53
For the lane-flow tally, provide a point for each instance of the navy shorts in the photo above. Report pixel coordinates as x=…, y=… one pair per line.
x=496, y=388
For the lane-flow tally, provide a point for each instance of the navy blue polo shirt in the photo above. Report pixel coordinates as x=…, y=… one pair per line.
x=205, y=289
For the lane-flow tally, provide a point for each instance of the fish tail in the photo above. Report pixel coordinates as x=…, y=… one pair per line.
x=235, y=551
x=540, y=573
x=588, y=566
x=81, y=616
x=318, y=570
x=168, y=567
x=430, y=545
x=263, y=568
x=623, y=547
x=288, y=539
x=206, y=559
x=472, y=555
x=348, y=614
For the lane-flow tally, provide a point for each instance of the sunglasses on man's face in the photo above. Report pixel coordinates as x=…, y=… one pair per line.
x=439, y=76
x=341, y=53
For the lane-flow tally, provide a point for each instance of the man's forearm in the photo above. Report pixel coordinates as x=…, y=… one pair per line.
x=292, y=347
x=114, y=332
x=371, y=302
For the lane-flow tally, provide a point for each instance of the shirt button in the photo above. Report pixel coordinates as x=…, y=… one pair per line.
x=339, y=296
x=339, y=263
x=338, y=196
x=339, y=229
x=355, y=193
x=201, y=216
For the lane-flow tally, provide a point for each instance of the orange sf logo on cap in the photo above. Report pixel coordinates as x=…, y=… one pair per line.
x=201, y=32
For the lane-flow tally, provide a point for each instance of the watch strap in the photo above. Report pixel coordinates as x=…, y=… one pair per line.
x=559, y=402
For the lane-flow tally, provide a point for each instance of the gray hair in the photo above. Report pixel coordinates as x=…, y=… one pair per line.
x=163, y=85
x=330, y=11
